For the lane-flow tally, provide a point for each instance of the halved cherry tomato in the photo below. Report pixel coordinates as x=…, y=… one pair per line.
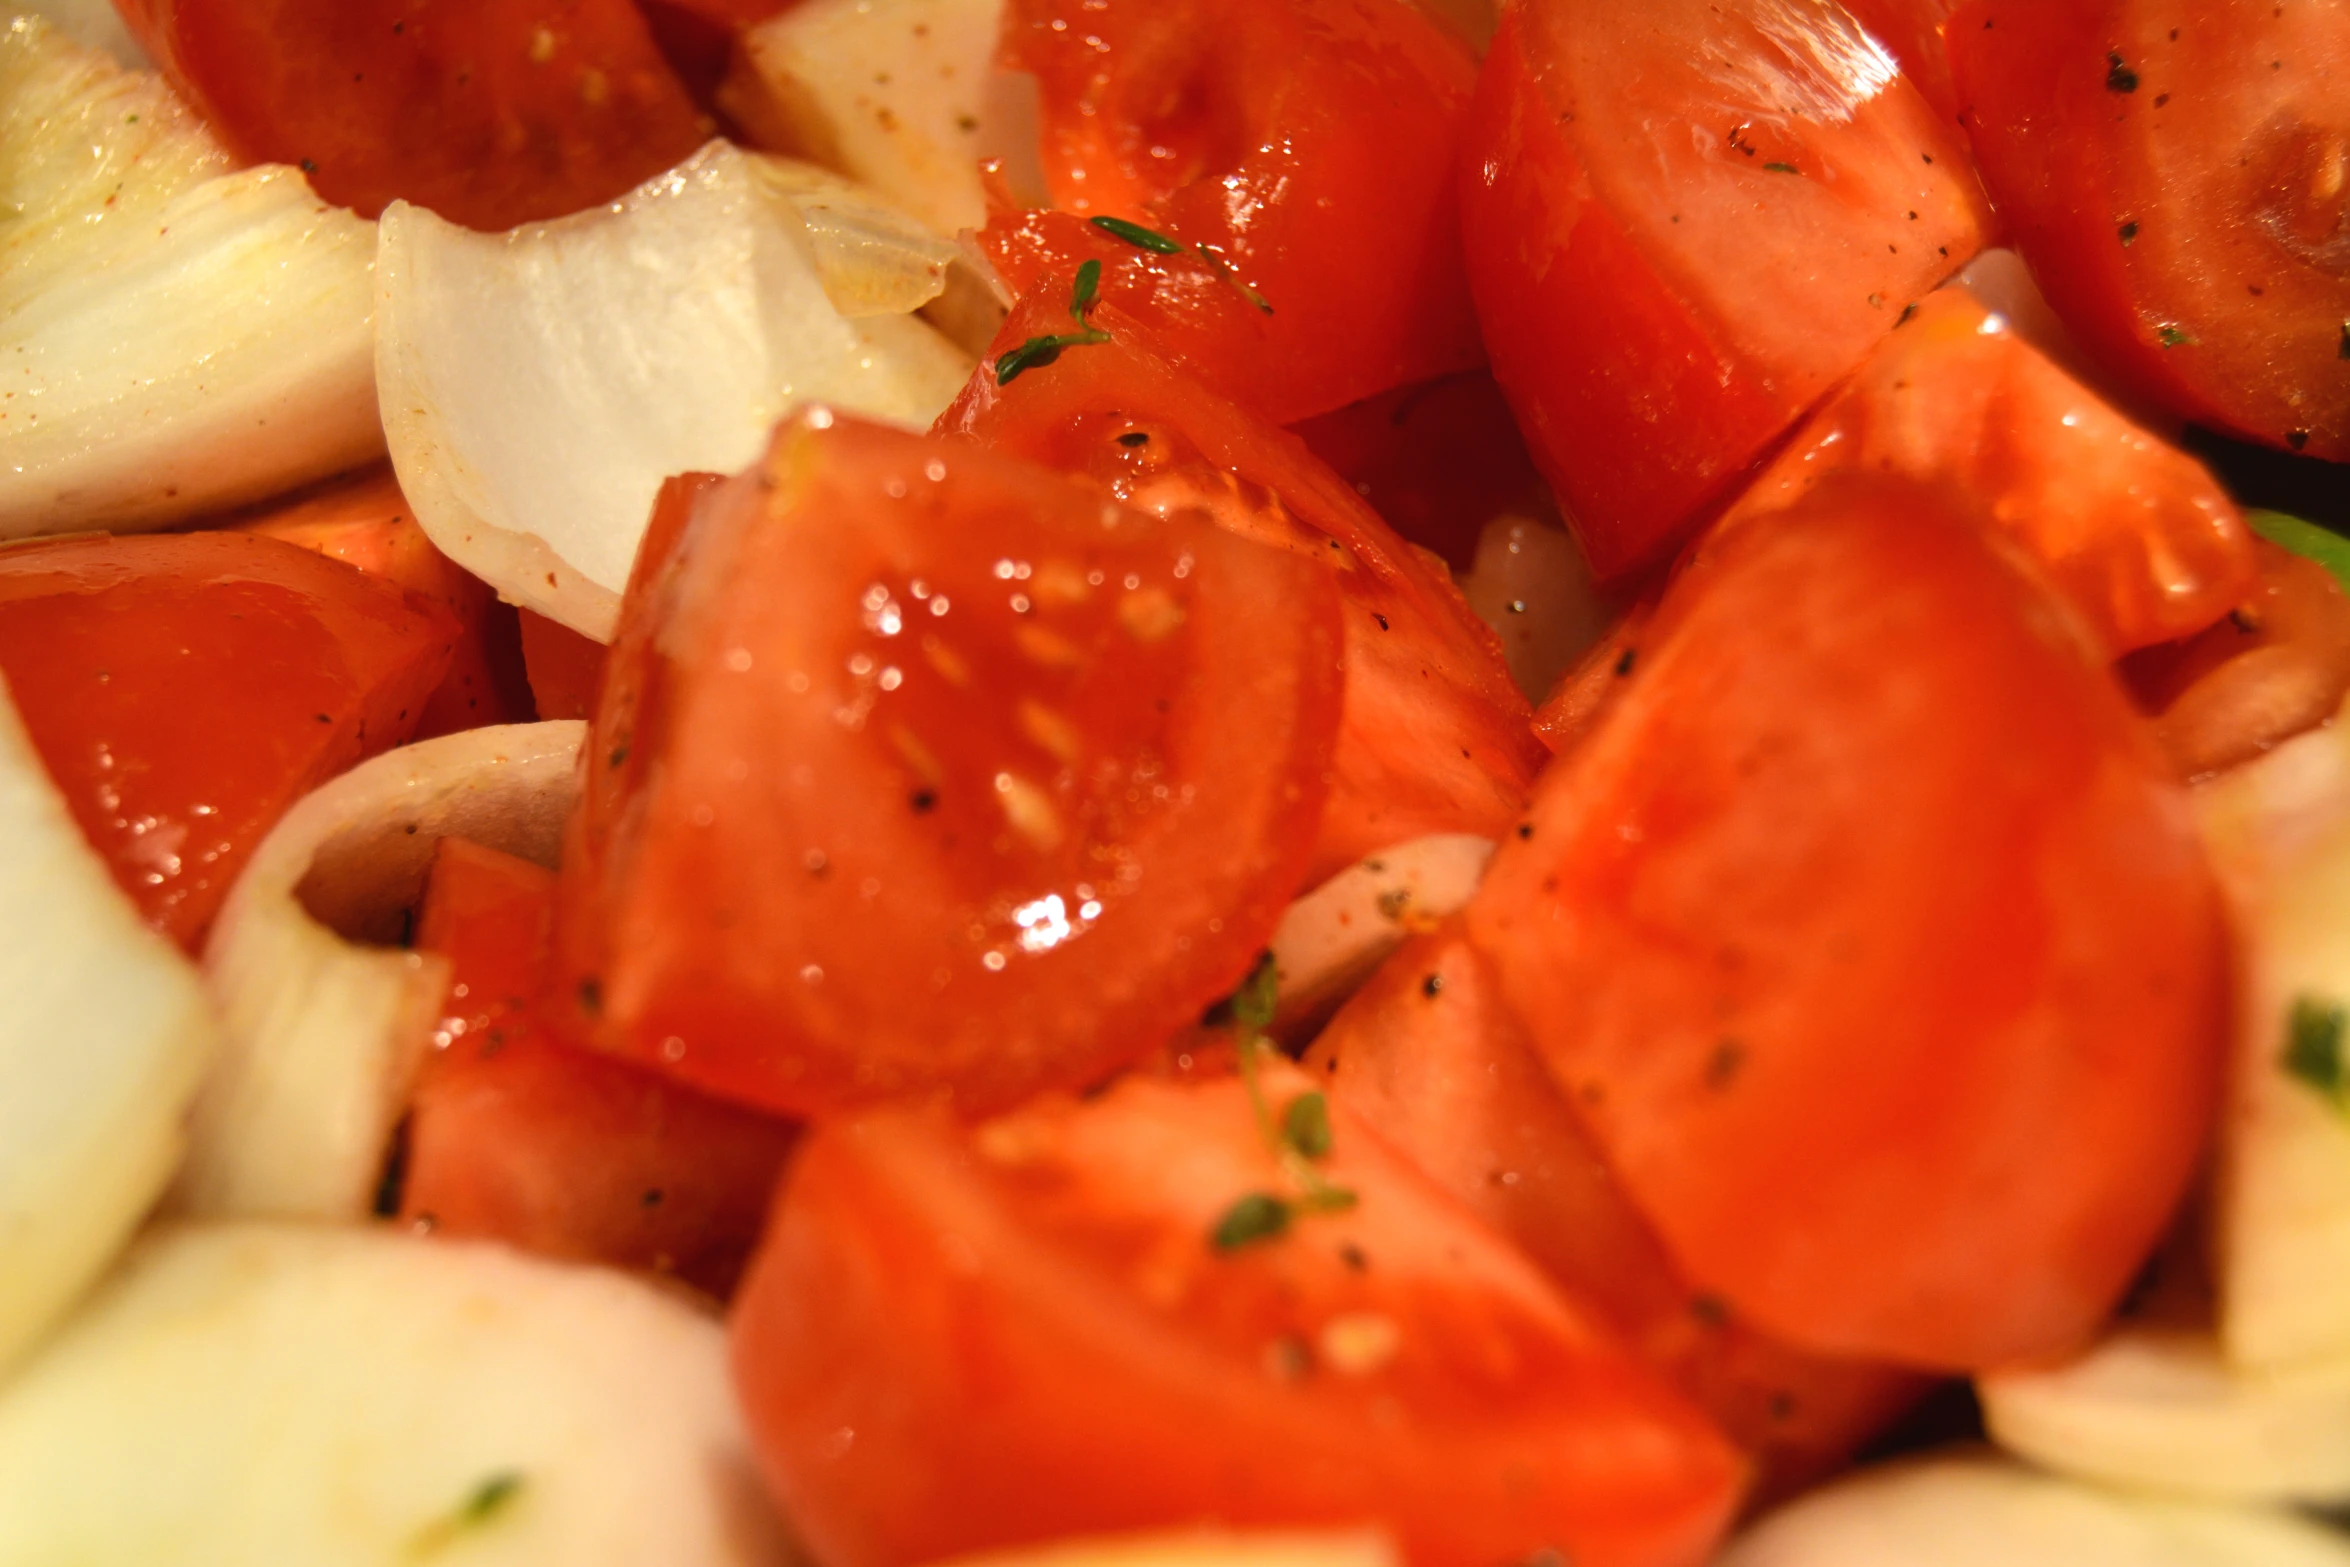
x=185, y=689
x=1687, y=220
x=490, y=112
x=1433, y=733
x=1298, y=154
x=958, y=1338
x=2135, y=534
x=514, y=1136
x=1873, y=942
x=1428, y=1056
x=2175, y=176
x=919, y=768
x=365, y=521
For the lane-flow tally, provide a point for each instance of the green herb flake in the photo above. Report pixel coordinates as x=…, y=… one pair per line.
x=2313, y=1044
x=2328, y=548
x=1081, y=297
x=2118, y=76
x=1259, y=995
x=2173, y=337
x=2129, y=231
x=1139, y=237
x=487, y=1502
x=1305, y=1125
x=1038, y=352
x=1782, y=168
x=1260, y=1216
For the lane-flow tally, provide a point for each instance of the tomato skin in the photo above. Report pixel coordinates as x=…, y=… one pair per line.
x=1912, y=30
x=2140, y=539
x=185, y=689
x=1029, y=1333
x=2182, y=209
x=982, y=834
x=1661, y=300
x=1895, y=1004
x=566, y=669
x=490, y=112
x=1432, y=732
x=1309, y=143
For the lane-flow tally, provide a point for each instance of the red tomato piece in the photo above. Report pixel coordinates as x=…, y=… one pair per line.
x=490, y=112
x=920, y=768
x=1873, y=942
x=365, y=521
x=1911, y=31
x=2174, y=175
x=1433, y=732
x=566, y=669
x=1586, y=691
x=1308, y=145
x=185, y=689
x=2135, y=533
x=1428, y=1056
x=1031, y=1334
x=514, y=1136
x=1687, y=221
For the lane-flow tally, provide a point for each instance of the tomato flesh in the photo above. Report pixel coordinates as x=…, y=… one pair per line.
x=1873, y=943
x=185, y=689
x=1685, y=222
x=1030, y=1334
x=922, y=769
x=566, y=669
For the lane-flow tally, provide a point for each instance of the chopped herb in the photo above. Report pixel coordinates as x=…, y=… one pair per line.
x=2173, y=337
x=2313, y=1045
x=2129, y=231
x=1223, y=269
x=1081, y=298
x=1302, y=1136
x=2328, y=548
x=483, y=1505
x=1782, y=168
x=1139, y=237
x=2118, y=76
x=1254, y=1002
x=1038, y=352
x=1260, y=1216
x=1305, y=1125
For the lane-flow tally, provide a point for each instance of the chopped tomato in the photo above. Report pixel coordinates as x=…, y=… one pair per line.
x=1874, y=943
x=566, y=669
x=365, y=521
x=1687, y=221
x=490, y=112
x=1433, y=732
x=1587, y=690
x=919, y=768
x=1911, y=31
x=1428, y=1056
x=514, y=1136
x=185, y=689
x=2175, y=178
x=2279, y=663
x=2138, y=537
x=954, y=1338
x=1295, y=161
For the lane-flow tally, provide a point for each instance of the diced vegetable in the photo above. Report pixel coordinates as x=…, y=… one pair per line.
x=1331, y=938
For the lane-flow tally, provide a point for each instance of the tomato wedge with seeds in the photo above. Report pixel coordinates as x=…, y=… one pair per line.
x=920, y=769
x=186, y=689
x=956, y=1338
x=1873, y=942
x=2175, y=177
x=1685, y=222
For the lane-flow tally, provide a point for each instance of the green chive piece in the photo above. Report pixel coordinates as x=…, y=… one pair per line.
x=1260, y=1216
x=1089, y=283
x=2313, y=1044
x=1782, y=168
x=1325, y=1198
x=1305, y=1125
x=1253, y=1004
x=493, y=1496
x=2328, y=548
x=1139, y=237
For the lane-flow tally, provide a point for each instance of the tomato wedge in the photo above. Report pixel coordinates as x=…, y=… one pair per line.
x=2175, y=177
x=1873, y=943
x=1686, y=221
x=919, y=768
x=490, y=112
x=1433, y=734
x=953, y=1339
x=1911, y=31
x=185, y=689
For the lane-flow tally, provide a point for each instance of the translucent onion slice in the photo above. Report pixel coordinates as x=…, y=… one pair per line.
x=1330, y=940
x=179, y=337
x=538, y=385
x=92, y=22
x=2161, y=1409
x=1980, y=1512
x=323, y=1028
x=351, y=1397
x=102, y=1040
x=1532, y=586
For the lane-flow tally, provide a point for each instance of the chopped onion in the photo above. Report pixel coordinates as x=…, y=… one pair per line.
x=180, y=337
x=93, y=23
x=1330, y=940
x=1534, y=588
x=538, y=385
x=324, y=1030
x=103, y=1039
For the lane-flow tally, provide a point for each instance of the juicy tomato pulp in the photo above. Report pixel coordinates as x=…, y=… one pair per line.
x=490, y=112
x=1299, y=160
x=1432, y=732
x=185, y=689
x=1031, y=1333
x=1685, y=222
x=1873, y=942
x=2175, y=176
x=1019, y=780
x=514, y=1136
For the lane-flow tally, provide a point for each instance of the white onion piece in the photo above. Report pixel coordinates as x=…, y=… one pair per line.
x=330, y=1396
x=92, y=23
x=102, y=1040
x=538, y=385
x=1200, y=1548
x=1979, y=1512
x=1534, y=588
x=1330, y=940
x=2261, y=817
x=872, y=258
x=323, y=1031
x=179, y=338
x=2160, y=1409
